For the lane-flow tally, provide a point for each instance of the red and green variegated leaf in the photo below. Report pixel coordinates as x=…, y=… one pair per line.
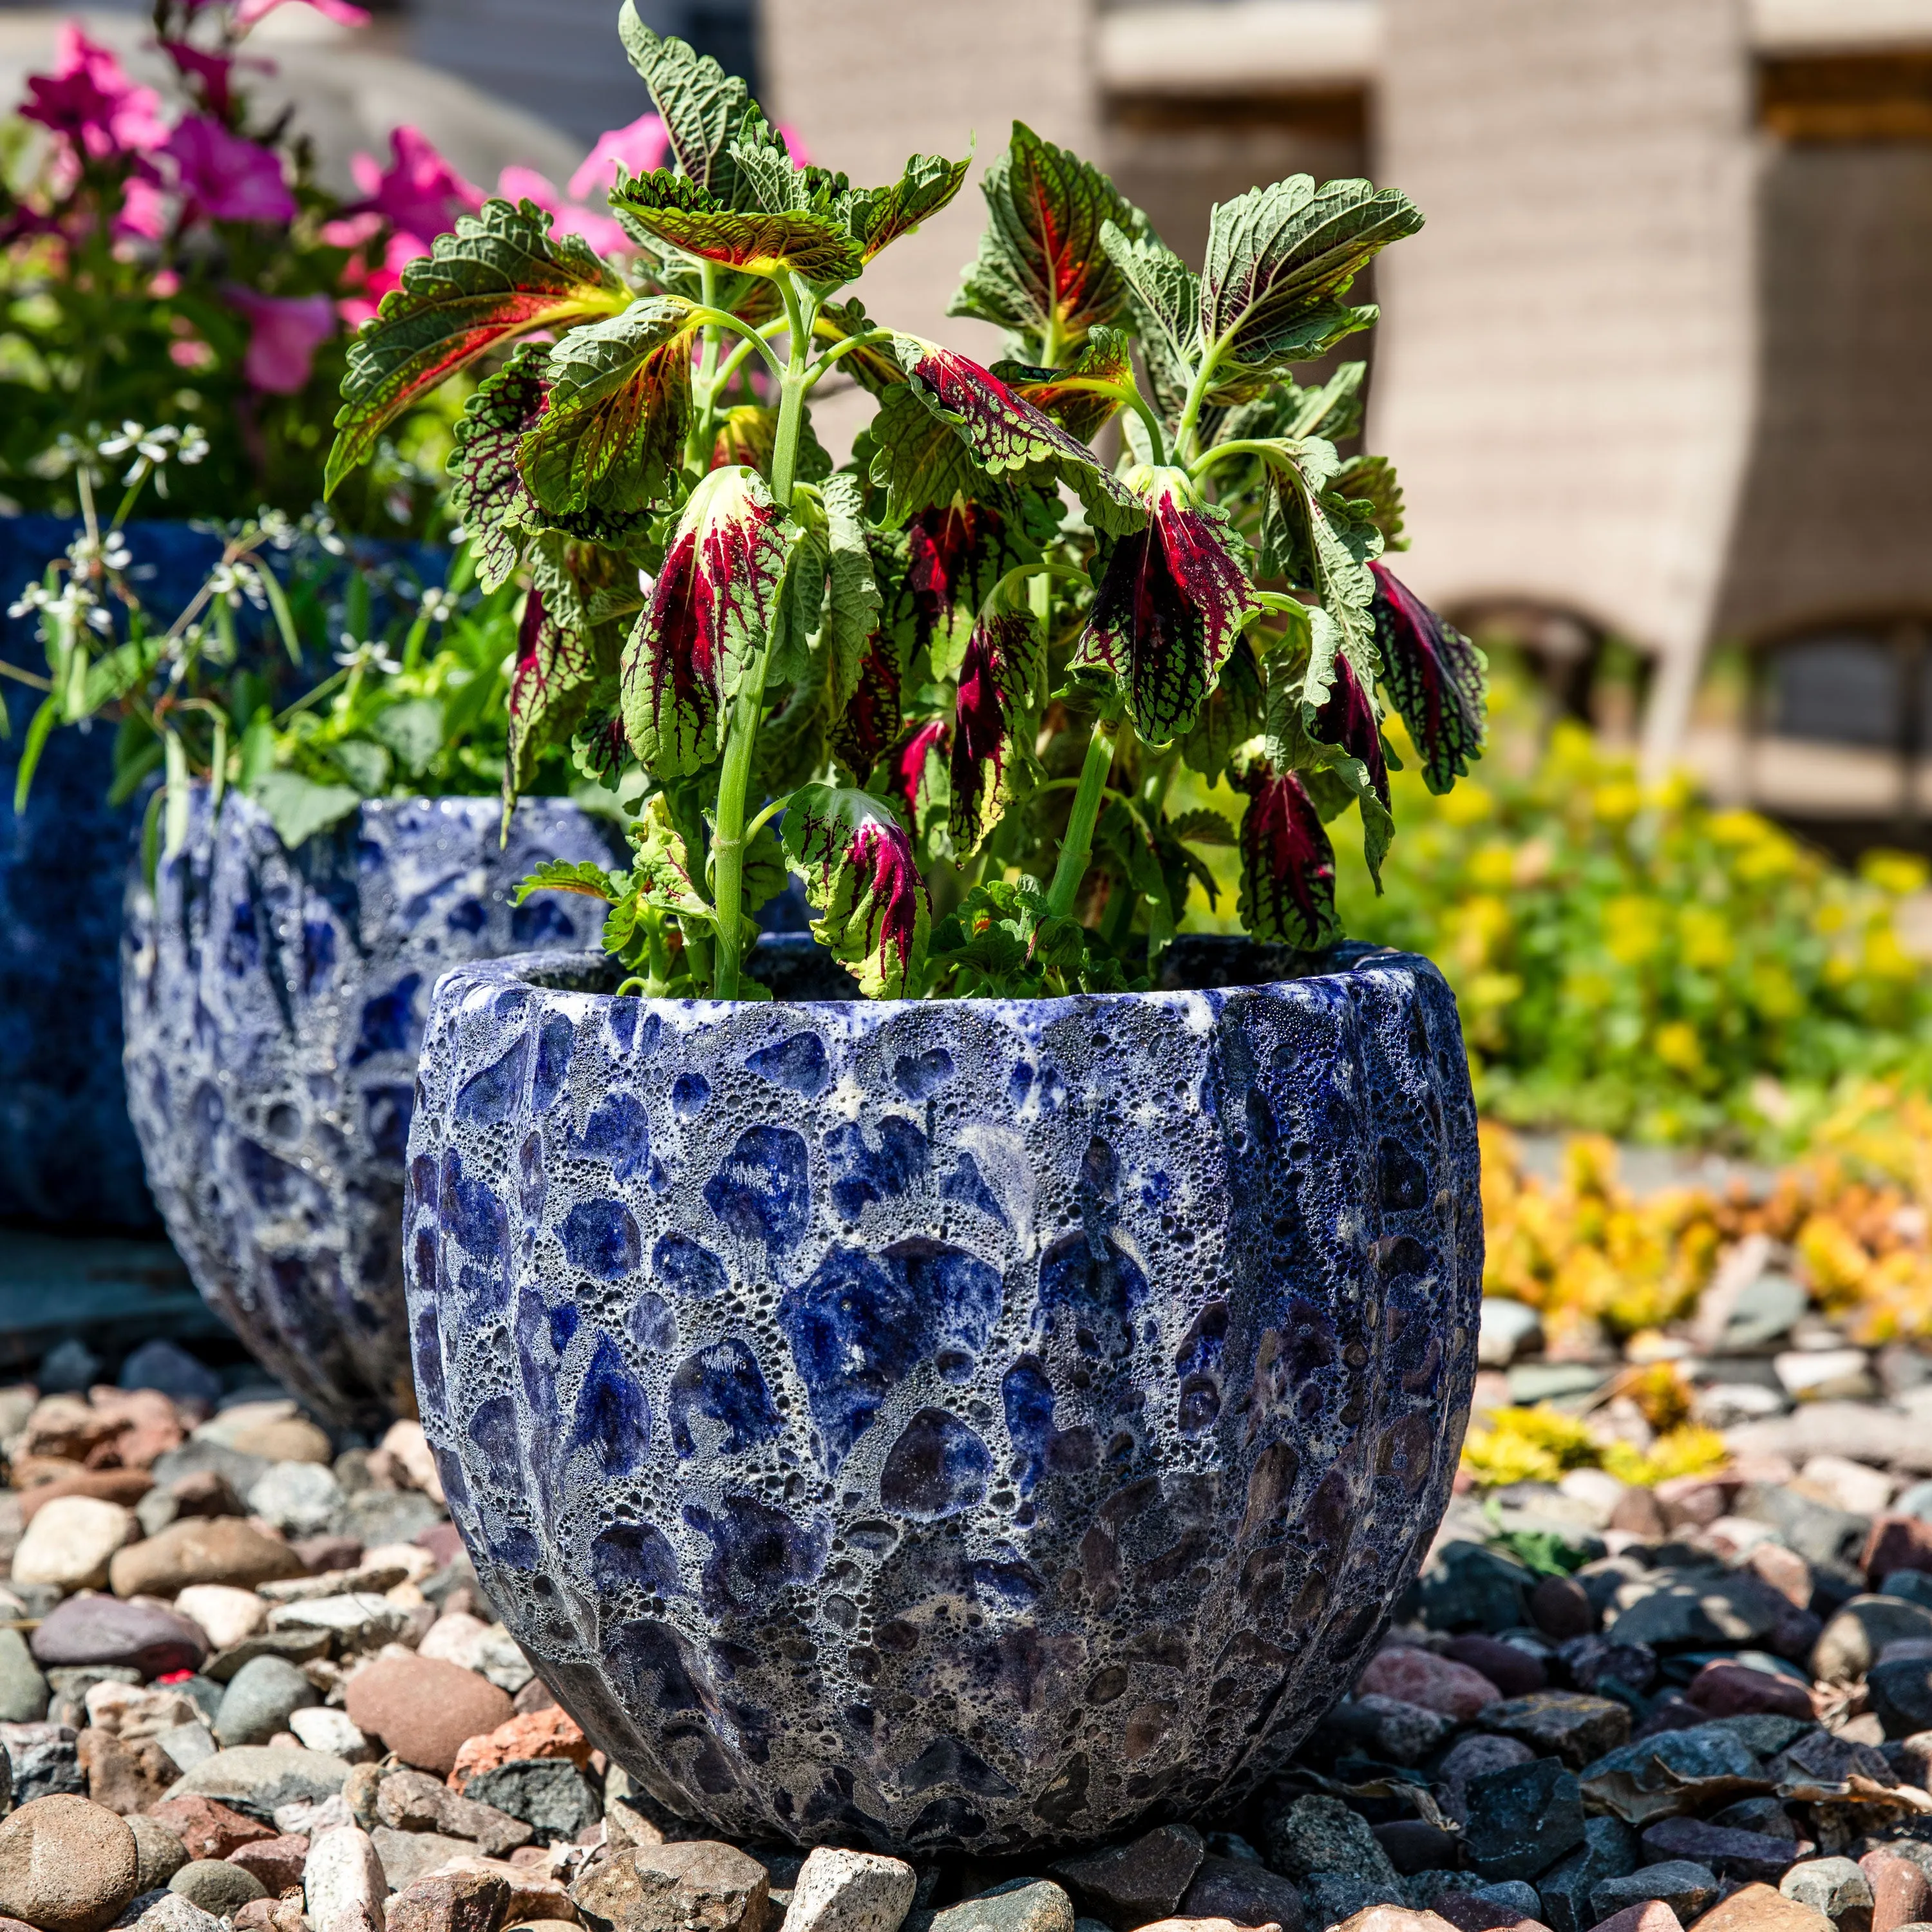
x=1082, y=397
x=709, y=614
x=1008, y=436
x=756, y=241
x=612, y=439
x=487, y=491
x=1041, y=271
x=1288, y=867
x=1325, y=722
x=863, y=730
x=1348, y=720
x=918, y=778
x=1172, y=599
x=998, y=685
x=1232, y=716
x=1278, y=258
x=550, y=686
x=1163, y=295
x=1435, y=677
x=954, y=555
x=861, y=878
x=921, y=462
x=878, y=217
x=749, y=434
x=700, y=105
x=500, y=274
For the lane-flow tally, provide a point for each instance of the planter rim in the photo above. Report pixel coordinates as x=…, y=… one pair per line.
x=528, y=969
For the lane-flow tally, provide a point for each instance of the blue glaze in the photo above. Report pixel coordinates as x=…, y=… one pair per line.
x=1021, y=1425
x=273, y=1003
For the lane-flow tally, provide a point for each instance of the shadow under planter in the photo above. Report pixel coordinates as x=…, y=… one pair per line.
x=975, y=1423
x=273, y=1006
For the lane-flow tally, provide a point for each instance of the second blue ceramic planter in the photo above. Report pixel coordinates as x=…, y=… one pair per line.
x=273, y=1003
x=964, y=1423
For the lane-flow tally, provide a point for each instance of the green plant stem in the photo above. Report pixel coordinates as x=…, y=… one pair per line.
x=1184, y=446
x=727, y=835
x=823, y=366
x=1078, y=844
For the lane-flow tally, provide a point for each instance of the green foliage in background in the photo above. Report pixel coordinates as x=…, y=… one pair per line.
x=1638, y=962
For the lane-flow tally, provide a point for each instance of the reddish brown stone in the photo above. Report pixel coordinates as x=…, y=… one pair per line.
x=123, y=1778
x=208, y=1828
x=1900, y=1892
x=1420, y=1677
x=1514, y=1672
x=1132, y=1885
x=1784, y=1569
x=1693, y=1502
x=425, y=1710
x=1559, y=1607
x=277, y=1862
x=1896, y=1542
x=1728, y=1689
x=1639, y=1513
x=463, y=1902
x=1761, y=1908
x=1469, y=1913
x=127, y=1487
x=205, y=1492
x=1652, y=1916
x=549, y=1732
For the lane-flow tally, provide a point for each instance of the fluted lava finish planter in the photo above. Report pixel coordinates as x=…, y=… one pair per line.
x=975, y=1423
x=273, y=1003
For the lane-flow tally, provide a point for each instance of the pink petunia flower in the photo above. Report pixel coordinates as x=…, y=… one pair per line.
x=605, y=236
x=636, y=149
x=215, y=72
x=144, y=211
x=90, y=100
x=419, y=193
x=285, y=331
x=226, y=178
x=340, y=11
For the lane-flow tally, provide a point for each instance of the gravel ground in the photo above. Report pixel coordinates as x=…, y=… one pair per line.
x=247, y=1677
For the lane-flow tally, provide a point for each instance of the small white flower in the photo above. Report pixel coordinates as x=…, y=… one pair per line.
x=33, y=597
x=194, y=444
x=131, y=437
x=356, y=655
x=438, y=606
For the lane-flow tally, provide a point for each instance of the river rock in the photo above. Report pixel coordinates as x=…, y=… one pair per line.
x=1471, y=1757
x=412, y=1801
x=1686, y=1888
x=1859, y=1632
x=552, y=1732
x=66, y=1865
x=43, y=1761
x=1519, y=1821
x=1323, y=1834
x=322, y=1729
x=70, y=1541
x=1757, y=1908
x=859, y=1892
x=277, y=1862
x=1574, y=1727
x=146, y=1637
x=227, y=1614
x=467, y=1902
x=299, y=1498
x=260, y=1698
x=23, y=1690
x=197, y=1549
x=407, y=1856
x=159, y=1853
x=1021, y=1905
x=1438, y=1684
x=343, y=1883
x=1730, y=1854
x=1245, y=1890
x=264, y=1776
x=1836, y=1887
x=423, y=1710
x=217, y=1886
x=1130, y=1885
x=702, y=1887
x=207, y=1828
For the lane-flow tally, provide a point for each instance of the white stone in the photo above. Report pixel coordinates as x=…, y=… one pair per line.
x=453, y=1639
x=189, y=1745
x=133, y=1711
x=1507, y=1327
x=227, y=1614
x=243, y=1417
x=1725, y=1404
x=343, y=1884
x=414, y=1563
x=69, y=1542
x=500, y=1659
x=299, y=1498
x=1596, y=1489
x=172, y=1912
x=321, y=1729
x=360, y=1621
x=850, y=1891
x=1802, y=1371
x=406, y=1442
x=309, y=1817
x=1856, y=1486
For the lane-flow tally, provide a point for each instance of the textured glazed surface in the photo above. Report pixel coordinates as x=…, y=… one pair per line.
x=274, y=1002
x=977, y=1423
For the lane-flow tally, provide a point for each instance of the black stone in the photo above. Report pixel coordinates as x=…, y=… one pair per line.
x=550, y=1795
x=1520, y=1821
x=1609, y=1850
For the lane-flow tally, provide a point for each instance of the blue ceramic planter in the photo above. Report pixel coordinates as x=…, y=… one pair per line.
x=274, y=1002
x=972, y=1423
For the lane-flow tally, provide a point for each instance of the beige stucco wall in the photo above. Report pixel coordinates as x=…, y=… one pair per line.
x=1567, y=361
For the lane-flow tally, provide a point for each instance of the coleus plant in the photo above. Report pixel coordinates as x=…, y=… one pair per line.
x=951, y=684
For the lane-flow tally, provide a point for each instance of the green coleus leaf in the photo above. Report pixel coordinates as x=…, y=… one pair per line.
x=998, y=687
x=1083, y=397
x=1288, y=867
x=570, y=875
x=500, y=274
x=1009, y=436
x=748, y=434
x=298, y=807
x=754, y=240
x=1172, y=598
x=1436, y=678
x=1041, y=271
x=700, y=105
x=852, y=598
x=1320, y=542
x=861, y=878
x=1278, y=258
x=1233, y=715
x=1371, y=482
x=878, y=217
x=662, y=870
x=1203, y=826
x=710, y=613
x=1164, y=297
x=608, y=447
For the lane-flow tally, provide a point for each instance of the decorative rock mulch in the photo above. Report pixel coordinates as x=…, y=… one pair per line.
x=247, y=1680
